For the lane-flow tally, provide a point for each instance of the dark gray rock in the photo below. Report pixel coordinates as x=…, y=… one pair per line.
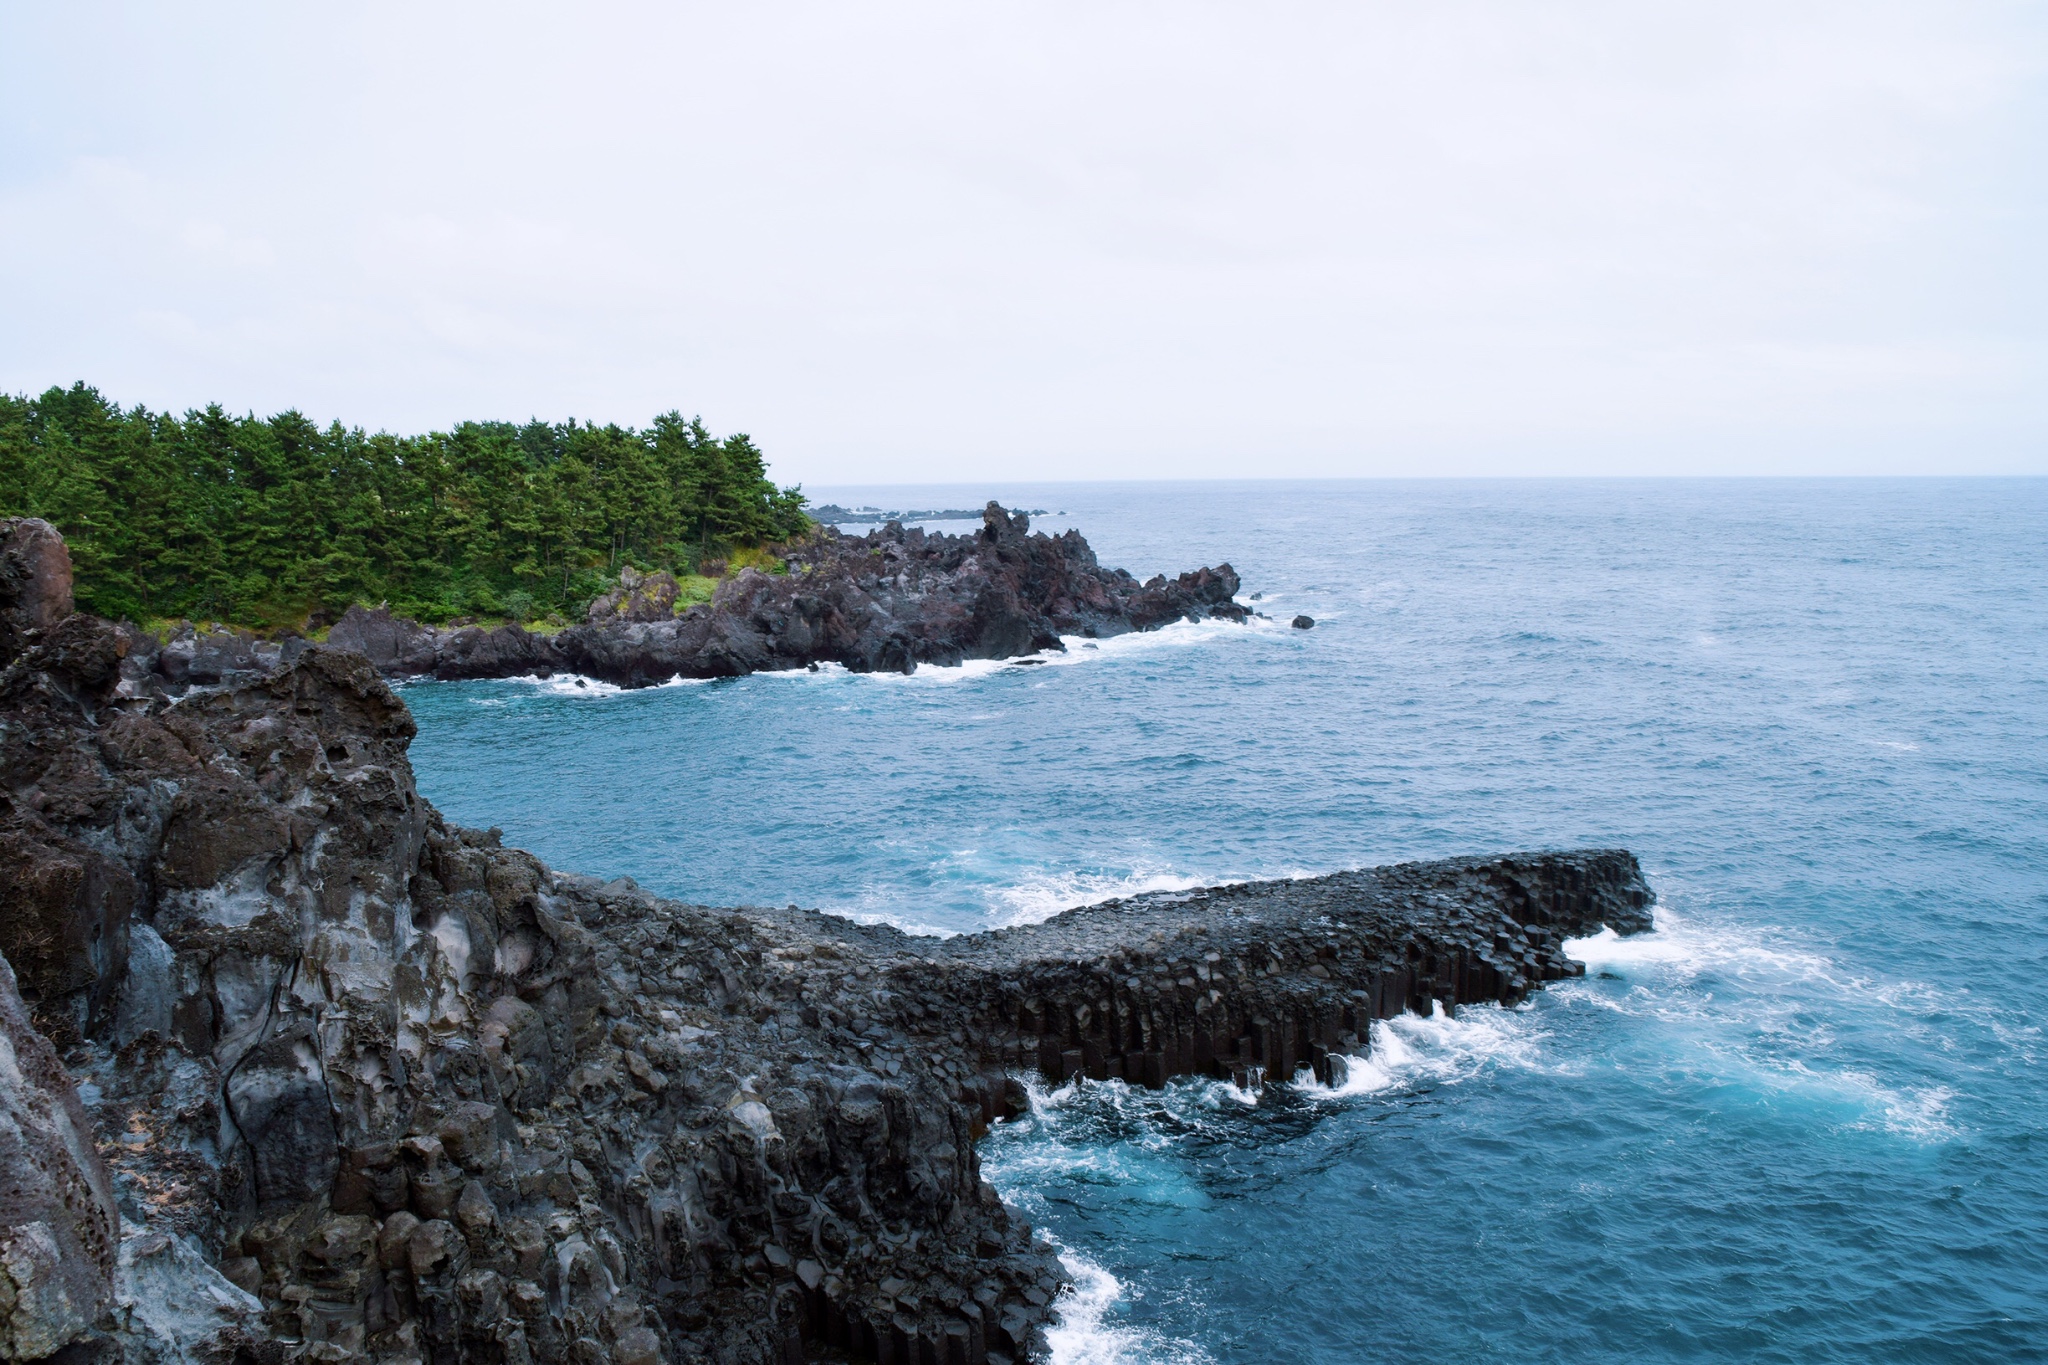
x=396, y=647
x=506, y=652
x=205, y=658
x=1304, y=622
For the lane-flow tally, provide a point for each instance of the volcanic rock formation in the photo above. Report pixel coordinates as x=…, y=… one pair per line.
x=367, y=1086
x=884, y=602
x=57, y=1217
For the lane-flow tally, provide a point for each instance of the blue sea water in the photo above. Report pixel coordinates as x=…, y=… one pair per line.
x=1805, y=1120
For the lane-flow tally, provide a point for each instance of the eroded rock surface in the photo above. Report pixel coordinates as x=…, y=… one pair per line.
x=368, y=1086
x=58, y=1227
x=638, y=597
x=887, y=601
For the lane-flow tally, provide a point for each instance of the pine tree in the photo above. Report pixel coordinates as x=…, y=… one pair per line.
x=276, y=521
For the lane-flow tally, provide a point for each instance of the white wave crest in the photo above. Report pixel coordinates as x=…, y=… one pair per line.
x=926, y=675
x=1042, y=895
x=584, y=688
x=1411, y=1049
x=1036, y=897
x=1084, y=1335
x=1921, y=1113
x=1175, y=635
x=894, y=919
x=1680, y=946
x=1767, y=1014
x=571, y=685
x=1078, y=650
x=1772, y=975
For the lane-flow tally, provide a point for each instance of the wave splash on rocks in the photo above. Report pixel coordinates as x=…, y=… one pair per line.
x=363, y=1085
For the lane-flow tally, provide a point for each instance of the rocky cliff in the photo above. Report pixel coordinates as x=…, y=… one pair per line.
x=887, y=601
x=297, y=1070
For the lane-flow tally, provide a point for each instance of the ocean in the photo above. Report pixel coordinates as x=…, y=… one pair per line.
x=1805, y=1120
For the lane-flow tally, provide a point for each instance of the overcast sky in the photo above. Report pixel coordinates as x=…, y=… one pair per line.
x=904, y=241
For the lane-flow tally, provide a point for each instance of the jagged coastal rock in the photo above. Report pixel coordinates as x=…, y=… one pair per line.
x=884, y=602
x=365, y=1086
x=58, y=1223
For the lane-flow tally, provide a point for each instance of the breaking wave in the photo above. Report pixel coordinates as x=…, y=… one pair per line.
x=1086, y=1333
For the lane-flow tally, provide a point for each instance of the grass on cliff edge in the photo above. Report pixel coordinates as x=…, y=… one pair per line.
x=693, y=590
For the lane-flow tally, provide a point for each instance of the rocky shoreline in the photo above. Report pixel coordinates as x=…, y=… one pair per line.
x=883, y=602
x=302, y=1072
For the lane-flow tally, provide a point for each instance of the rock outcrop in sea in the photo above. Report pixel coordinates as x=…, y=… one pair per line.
x=884, y=602
x=293, y=1069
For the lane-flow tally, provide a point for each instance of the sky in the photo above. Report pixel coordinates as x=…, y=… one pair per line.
x=904, y=242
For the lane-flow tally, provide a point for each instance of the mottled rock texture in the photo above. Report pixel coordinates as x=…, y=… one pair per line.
x=35, y=580
x=639, y=597
x=366, y=1086
x=884, y=602
x=58, y=1227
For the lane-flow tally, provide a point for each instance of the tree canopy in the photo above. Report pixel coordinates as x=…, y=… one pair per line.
x=274, y=521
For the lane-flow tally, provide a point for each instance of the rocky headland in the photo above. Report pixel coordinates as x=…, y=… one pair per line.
x=293, y=1069
x=883, y=602
x=832, y=514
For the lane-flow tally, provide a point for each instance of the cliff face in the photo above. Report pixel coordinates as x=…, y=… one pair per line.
x=362, y=1085
x=57, y=1218
x=886, y=602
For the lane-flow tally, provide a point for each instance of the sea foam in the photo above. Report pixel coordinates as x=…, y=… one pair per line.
x=1412, y=1050
x=1085, y=1334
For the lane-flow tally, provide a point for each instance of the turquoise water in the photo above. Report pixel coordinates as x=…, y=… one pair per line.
x=1804, y=1121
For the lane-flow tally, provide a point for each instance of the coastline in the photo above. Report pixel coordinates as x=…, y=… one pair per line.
x=402, y=1093
x=890, y=601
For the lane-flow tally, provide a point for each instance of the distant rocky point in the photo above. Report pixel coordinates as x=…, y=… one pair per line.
x=884, y=602
x=887, y=601
x=832, y=514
